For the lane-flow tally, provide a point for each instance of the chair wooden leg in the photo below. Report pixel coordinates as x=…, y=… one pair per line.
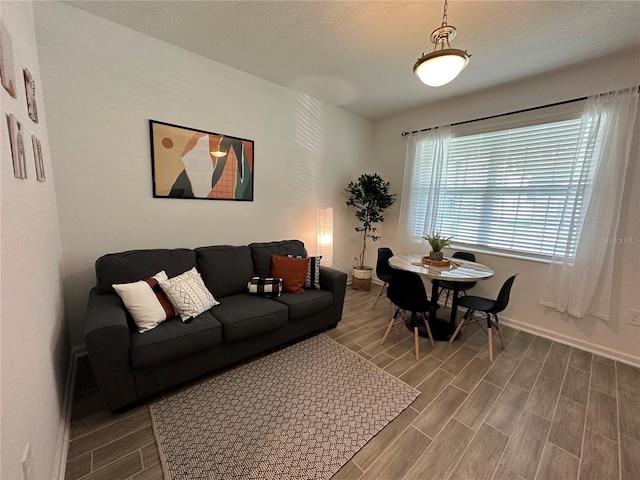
x=426, y=324
x=378, y=296
x=460, y=325
x=490, y=341
x=416, y=343
x=386, y=333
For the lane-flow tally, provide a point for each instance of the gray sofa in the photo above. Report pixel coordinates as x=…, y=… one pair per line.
x=129, y=366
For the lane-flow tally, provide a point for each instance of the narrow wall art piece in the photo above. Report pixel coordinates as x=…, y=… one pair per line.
x=37, y=156
x=7, y=73
x=17, y=146
x=190, y=163
x=30, y=91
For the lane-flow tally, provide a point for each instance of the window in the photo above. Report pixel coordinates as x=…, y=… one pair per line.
x=505, y=189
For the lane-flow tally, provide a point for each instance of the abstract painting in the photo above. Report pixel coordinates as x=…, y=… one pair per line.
x=190, y=163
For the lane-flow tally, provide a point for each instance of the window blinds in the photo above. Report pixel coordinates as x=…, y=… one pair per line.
x=506, y=189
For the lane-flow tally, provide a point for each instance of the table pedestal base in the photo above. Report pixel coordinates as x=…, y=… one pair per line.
x=440, y=329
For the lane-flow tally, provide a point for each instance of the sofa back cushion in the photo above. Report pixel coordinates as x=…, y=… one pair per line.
x=262, y=253
x=134, y=265
x=225, y=269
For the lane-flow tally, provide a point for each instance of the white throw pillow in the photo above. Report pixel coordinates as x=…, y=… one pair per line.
x=143, y=303
x=188, y=294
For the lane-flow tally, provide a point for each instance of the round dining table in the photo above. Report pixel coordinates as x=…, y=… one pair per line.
x=458, y=270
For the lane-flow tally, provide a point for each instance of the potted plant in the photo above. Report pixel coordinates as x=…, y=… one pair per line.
x=369, y=197
x=437, y=243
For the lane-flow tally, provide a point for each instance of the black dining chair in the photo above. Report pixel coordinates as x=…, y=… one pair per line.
x=489, y=308
x=447, y=287
x=383, y=270
x=406, y=291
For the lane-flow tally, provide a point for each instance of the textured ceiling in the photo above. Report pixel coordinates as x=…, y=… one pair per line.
x=359, y=54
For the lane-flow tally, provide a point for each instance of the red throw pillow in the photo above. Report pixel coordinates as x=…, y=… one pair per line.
x=292, y=271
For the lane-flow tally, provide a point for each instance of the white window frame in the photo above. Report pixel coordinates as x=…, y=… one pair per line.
x=443, y=224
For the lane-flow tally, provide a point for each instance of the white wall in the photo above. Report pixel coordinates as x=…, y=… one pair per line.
x=614, y=338
x=35, y=348
x=103, y=82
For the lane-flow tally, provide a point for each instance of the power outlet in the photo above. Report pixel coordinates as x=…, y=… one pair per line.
x=27, y=463
x=633, y=317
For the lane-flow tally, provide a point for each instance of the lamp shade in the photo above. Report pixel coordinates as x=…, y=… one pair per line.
x=440, y=67
x=325, y=235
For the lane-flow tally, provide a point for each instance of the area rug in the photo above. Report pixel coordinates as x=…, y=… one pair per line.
x=299, y=413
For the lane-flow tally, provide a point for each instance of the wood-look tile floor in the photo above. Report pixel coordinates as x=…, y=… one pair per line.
x=540, y=411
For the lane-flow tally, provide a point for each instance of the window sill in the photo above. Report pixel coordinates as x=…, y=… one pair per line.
x=498, y=253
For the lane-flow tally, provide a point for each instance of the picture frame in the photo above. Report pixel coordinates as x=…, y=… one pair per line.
x=30, y=92
x=195, y=164
x=7, y=72
x=16, y=138
x=37, y=156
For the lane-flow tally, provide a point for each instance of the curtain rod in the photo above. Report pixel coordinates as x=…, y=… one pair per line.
x=404, y=134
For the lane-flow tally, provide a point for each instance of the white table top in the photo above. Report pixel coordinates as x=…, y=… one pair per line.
x=463, y=271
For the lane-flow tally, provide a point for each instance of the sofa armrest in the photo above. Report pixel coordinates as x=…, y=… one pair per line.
x=108, y=341
x=336, y=282
x=332, y=279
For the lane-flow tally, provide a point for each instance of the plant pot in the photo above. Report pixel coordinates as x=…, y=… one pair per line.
x=437, y=256
x=361, y=278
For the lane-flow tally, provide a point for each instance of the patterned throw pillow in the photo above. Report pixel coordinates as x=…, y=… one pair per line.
x=188, y=294
x=146, y=302
x=313, y=271
x=267, y=286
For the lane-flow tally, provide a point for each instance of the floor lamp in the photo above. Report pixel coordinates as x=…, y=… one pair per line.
x=325, y=235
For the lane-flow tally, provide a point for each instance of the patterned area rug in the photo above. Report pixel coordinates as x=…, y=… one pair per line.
x=299, y=413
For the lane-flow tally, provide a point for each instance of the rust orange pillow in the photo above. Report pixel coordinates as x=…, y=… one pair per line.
x=292, y=271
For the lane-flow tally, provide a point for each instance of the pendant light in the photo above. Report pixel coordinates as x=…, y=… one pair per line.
x=217, y=152
x=441, y=66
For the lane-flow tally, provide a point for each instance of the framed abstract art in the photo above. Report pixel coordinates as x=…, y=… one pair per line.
x=194, y=164
x=30, y=91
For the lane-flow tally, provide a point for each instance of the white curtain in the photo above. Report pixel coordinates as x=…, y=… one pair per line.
x=579, y=280
x=425, y=163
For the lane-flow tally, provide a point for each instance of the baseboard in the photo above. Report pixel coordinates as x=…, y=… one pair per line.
x=65, y=422
x=572, y=342
x=566, y=340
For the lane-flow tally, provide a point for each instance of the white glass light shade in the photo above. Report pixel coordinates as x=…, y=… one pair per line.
x=218, y=153
x=440, y=67
x=325, y=235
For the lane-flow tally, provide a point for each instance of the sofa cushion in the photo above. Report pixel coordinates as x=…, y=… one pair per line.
x=262, y=253
x=225, y=269
x=146, y=301
x=173, y=339
x=311, y=302
x=313, y=272
x=188, y=294
x=244, y=315
x=292, y=271
x=265, y=286
x=134, y=265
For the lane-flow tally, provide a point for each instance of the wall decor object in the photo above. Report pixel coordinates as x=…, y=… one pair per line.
x=37, y=155
x=17, y=146
x=190, y=163
x=30, y=91
x=7, y=72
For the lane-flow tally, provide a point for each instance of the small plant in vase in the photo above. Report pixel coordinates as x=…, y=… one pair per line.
x=369, y=197
x=437, y=243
